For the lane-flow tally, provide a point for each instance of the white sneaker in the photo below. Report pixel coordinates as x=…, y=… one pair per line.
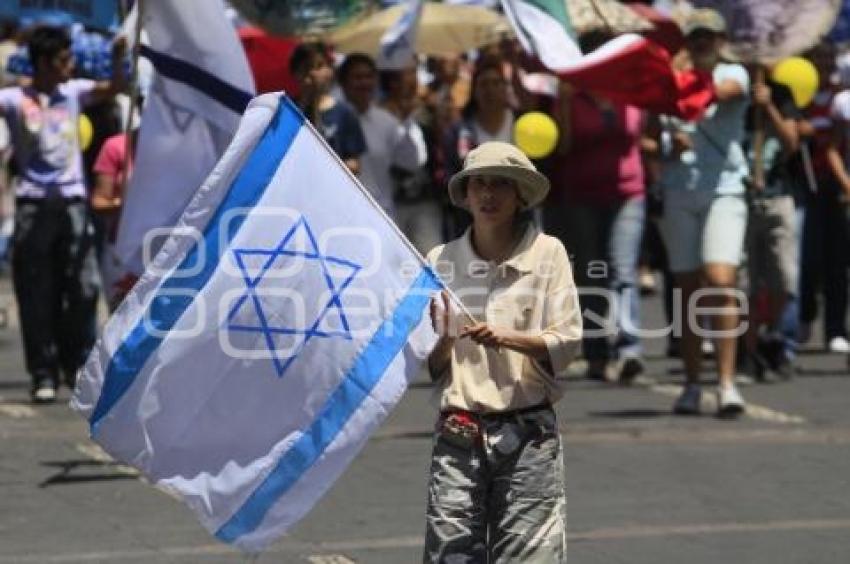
x=44, y=393
x=729, y=402
x=839, y=345
x=688, y=402
x=646, y=282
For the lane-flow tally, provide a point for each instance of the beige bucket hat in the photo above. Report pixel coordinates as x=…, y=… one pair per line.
x=502, y=159
x=704, y=18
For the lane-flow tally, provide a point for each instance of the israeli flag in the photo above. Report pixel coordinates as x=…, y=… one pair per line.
x=272, y=333
x=201, y=86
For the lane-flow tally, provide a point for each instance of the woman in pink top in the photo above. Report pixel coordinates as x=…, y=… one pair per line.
x=113, y=168
x=596, y=208
x=110, y=182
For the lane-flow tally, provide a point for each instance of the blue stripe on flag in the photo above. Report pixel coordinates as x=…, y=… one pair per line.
x=365, y=373
x=166, y=308
x=191, y=75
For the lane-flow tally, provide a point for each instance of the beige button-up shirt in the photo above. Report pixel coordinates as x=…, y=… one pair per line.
x=532, y=292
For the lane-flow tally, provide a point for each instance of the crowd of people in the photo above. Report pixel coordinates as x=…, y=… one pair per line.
x=744, y=213
x=736, y=226
x=631, y=193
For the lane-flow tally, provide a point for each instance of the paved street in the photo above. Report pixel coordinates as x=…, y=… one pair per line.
x=644, y=487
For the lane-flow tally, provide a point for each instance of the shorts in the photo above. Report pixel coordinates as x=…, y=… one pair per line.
x=772, y=246
x=702, y=228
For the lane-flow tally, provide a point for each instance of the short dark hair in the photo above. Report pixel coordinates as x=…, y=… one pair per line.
x=389, y=78
x=352, y=61
x=47, y=41
x=304, y=55
x=483, y=65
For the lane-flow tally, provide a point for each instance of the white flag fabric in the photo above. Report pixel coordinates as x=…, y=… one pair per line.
x=543, y=27
x=201, y=87
x=399, y=41
x=272, y=333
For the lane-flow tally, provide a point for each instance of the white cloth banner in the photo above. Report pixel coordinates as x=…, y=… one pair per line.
x=273, y=332
x=201, y=87
x=398, y=44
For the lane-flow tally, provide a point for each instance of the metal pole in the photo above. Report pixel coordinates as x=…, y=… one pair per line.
x=134, y=94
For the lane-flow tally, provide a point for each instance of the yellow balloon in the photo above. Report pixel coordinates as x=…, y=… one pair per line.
x=536, y=134
x=86, y=131
x=800, y=76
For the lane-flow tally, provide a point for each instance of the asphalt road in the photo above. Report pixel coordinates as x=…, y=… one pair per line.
x=644, y=487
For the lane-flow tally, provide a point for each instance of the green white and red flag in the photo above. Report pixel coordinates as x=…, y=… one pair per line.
x=628, y=69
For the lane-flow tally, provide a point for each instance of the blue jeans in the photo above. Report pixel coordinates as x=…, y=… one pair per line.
x=604, y=243
x=789, y=324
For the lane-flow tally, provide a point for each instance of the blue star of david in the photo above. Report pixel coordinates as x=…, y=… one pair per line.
x=251, y=299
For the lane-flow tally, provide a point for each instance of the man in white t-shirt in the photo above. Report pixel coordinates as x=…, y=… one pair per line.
x=394, y=147
x=53, y=264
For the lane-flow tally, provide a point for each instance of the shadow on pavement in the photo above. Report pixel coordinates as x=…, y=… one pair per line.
x=67, y=475
x=819, y=373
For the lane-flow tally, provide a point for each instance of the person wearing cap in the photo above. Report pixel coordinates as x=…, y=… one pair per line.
x=496, y=489
x=703, y=175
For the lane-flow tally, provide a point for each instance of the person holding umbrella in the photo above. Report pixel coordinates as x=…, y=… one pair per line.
x=772, y=257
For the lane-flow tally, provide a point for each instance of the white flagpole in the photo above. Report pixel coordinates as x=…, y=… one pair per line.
x=138, y=9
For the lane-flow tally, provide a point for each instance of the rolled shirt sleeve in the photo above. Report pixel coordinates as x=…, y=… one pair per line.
x=533, y=293
x=562, y=326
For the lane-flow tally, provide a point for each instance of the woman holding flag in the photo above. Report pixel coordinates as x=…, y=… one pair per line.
x=496, y=489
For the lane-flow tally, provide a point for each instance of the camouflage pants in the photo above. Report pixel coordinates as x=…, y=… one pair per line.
x=501, y=500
